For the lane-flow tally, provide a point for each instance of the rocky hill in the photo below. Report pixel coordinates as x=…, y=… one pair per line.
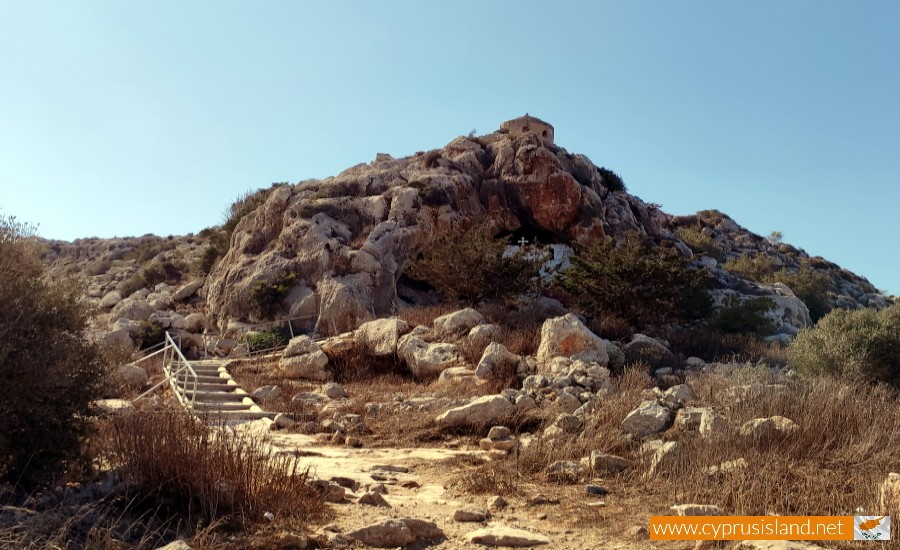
x=338, y=247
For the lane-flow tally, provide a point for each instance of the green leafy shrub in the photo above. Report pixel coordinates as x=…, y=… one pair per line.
x=267, y=339
x=700, y=242
x=759, y=268
x=633, y=281
x=266, y=296
x=471, y=265
x=810, y=286
x=863, y=343
x=149, y=334
x=50, y=372
x=156, y=272
x=747, y=317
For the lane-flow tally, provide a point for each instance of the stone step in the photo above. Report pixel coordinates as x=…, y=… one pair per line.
x=215, y=396
x=207, y=386
x=207, y=406
x=204, y=379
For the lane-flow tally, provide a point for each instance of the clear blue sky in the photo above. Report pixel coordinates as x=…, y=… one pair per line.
x=124, y=118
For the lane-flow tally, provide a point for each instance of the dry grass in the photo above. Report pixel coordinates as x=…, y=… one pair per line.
x=424, y=315
x=206, y=474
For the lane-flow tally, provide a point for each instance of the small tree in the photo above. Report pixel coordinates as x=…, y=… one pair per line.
x=50, y=373
x=642, y=284
x=748, y=317
x=471, y=265
x=863, y=343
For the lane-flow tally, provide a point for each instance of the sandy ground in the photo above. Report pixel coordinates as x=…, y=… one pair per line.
x=578, y=521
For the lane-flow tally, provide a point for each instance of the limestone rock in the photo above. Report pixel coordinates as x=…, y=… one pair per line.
x=110, y=299
x=482, y=411
x=380, y=336
x=132, y=376
x=567, y=336
x=605, y=463
x=471, y=515
x=374, y=499
x=649, y=418
x=496, y=359
x=498, y=535
x=648, y=350
x=458, y=322
x=392, y=533
x=187, y=290
x=303, y=358
x=426, y=360
x=177, y=545
x=263, y=393
x=890, y=493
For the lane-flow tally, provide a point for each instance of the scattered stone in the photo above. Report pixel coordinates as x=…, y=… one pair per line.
x=334, y=391
x=758, y=428
x=676, y=396
x=263, y=393
x=499, y=432
x=648, y=419
x=727, y=467
x=392, y=533
x=688, y=418
x=565, y=471
x=499, y=535
x=283, y=421
x=346, y=482
x=541, y=500
x=664, y=454
x=471, y=514
x=712, y=424
x=309, y=399
x=330, y=491
x=648, y=350
x=596, y=490
x=379, y=488
x=568, y=423
x=112, y=407
x=303, y=358
x=373, y=499
x=482, y=411
x=605, y=463
x=496, y=502
x=696, y=510
x=391, y=468
x=352, y=441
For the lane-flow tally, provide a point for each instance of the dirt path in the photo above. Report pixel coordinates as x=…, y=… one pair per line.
x=426, y=491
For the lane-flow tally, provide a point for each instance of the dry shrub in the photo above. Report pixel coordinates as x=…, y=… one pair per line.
x=356, y=363
x=479, y=477
x=523, y=340
x=714, y=346
x=424, y=315
x=833, y=464
x=176, y=463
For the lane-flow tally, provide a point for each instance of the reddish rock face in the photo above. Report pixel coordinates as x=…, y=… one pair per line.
x=552, y=203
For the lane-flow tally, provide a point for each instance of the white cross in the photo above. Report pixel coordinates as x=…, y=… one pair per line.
x=523, y=241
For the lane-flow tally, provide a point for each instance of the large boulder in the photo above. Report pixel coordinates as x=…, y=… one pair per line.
x=457, y=323
x=380, y=336
x=647, y=350
x=496, y=359
x=427, y=360
x=132, y=376
x=131, y=309
x=482, y=411
x=303, y=358
x=187, y=290
x=567, y=336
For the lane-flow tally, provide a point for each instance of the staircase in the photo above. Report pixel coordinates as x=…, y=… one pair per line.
x=213, y=392
x=205, y=387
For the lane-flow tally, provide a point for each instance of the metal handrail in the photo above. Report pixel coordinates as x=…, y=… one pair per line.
x=178, y=358
x=171, y=352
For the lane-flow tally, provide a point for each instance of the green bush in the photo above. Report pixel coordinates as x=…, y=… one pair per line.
x=50, y=372
x=149, y=334
x=266, y=296
x=863, y=343
x=759, y=268
x=471, y=265
x=267, y=339
x=640, y=284
x=747, y=317
x=700, y=242
x=810, y=286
